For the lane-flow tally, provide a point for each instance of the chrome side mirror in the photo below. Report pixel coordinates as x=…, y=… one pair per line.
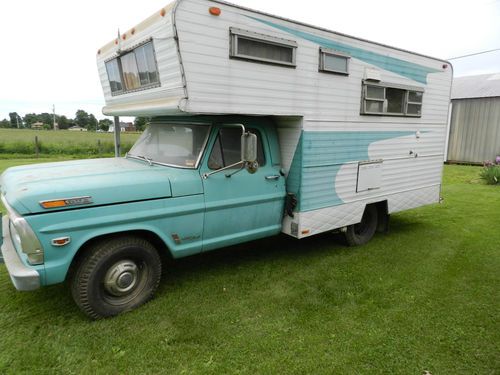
x=248, y=147
x=249, y=152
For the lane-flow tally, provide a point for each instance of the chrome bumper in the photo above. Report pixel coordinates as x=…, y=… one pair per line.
x=23, y=277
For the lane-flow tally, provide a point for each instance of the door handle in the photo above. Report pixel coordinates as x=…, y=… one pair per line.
x=272, y=177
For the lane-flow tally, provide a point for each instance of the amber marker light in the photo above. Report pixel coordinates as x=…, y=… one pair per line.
x=306, y=231
x=124, y=36
x=214, y=11
x=53, y=204
x=132, y=31
x=61, y=241
x=162, y=12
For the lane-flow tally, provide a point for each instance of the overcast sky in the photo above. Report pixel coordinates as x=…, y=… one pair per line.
x=49, y=46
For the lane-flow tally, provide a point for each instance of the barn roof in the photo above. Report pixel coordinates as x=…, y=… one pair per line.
x=480, y=86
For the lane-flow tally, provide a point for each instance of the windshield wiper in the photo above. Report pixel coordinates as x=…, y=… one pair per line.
x=142, y=157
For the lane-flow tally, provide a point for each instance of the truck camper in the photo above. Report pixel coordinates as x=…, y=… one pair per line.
x=258, y=125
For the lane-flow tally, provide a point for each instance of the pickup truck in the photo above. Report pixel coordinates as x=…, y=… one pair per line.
x=186, y=186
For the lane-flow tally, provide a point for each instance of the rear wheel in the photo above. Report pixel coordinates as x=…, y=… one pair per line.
x=361, y=233
x=116, y=275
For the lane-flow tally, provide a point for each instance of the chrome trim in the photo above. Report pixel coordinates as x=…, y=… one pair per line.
x=23, y=277
x=53, y=242
x=30, y=244
x=73, y=201
x=10, y=211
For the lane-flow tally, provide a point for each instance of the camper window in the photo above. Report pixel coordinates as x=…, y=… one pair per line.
x=391, y=100
x=333, y=61
x=259, y=47
x=115, y=80
x=134, y=70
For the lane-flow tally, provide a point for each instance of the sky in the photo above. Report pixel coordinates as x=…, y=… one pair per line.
x=49, y=47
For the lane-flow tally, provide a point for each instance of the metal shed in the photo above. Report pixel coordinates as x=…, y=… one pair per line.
x=474, y=134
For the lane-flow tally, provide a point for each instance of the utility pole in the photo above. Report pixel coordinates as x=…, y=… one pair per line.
x=17, y=119
x=54, y=116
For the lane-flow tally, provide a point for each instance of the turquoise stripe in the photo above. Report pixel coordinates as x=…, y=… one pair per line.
x=407, y=69
x=318, y=159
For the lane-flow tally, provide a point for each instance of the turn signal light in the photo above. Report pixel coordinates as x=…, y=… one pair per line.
x=61, y=241
x=53, y=204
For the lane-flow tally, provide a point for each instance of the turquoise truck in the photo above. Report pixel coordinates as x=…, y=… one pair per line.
x=258, y=125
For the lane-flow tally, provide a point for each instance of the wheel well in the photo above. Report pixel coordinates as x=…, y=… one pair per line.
x=382, y=215
x=151, y=237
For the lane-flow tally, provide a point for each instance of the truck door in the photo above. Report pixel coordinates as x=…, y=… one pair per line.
x=240, y=206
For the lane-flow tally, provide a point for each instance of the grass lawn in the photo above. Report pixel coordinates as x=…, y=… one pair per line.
x=61, y=136
x=425, y=296
x=21, y=143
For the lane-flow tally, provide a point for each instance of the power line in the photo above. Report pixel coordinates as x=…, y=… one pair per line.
x=474, y=54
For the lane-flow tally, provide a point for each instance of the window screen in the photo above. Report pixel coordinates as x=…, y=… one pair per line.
x=333, y=62
x=264, y=48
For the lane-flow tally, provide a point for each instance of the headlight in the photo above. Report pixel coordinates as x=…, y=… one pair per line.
x=23, y=236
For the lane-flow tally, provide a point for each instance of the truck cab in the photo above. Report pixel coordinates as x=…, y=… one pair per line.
x=103, y=224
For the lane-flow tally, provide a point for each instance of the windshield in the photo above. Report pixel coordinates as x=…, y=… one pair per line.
x=178, y=145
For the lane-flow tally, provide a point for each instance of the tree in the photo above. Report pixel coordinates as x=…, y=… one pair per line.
x=15, y=120
x=104, y=124
x=63, y=122
x=141, y=122
x=46, y=119
x=82, y=118
x=5, y=123
x=92, y=124
x=30, y=119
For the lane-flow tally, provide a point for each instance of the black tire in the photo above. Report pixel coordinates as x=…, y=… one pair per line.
x=115, y=275
x=361, y=233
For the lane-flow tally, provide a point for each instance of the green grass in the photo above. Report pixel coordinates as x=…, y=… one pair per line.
x=425, y=296
x=21, y=142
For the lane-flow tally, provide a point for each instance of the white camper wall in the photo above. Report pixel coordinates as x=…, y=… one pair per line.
x=220, y=84
x=326, y=170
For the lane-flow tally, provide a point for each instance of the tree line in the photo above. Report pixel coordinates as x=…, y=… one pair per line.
x=82, y=119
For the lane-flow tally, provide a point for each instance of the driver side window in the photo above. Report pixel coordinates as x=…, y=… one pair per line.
x=227, y=148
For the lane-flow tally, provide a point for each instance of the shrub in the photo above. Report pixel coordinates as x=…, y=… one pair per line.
x=491, y=171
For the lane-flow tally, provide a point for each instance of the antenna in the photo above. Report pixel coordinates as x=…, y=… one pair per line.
x=119, y=42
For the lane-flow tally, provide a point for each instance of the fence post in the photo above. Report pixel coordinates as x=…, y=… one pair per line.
x=37, y=148
x=99, y=150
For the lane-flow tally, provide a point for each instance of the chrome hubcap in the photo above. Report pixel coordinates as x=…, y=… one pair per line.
x=121, y=278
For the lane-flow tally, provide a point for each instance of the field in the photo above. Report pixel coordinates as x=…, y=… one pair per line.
x=425, y=296
x=15, y=143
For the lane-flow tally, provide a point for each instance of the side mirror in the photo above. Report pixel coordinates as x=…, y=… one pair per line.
x=248, y=147
x=249, y=152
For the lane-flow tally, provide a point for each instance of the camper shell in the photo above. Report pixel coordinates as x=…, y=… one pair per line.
x=329, y=96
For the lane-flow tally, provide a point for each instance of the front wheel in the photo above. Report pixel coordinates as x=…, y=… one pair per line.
x=361, y=233
x=116, y=275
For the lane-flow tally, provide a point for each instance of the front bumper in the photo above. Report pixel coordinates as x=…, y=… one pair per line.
x=23, y=277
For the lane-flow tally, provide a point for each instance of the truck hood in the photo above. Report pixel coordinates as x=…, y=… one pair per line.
x=105, y=181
